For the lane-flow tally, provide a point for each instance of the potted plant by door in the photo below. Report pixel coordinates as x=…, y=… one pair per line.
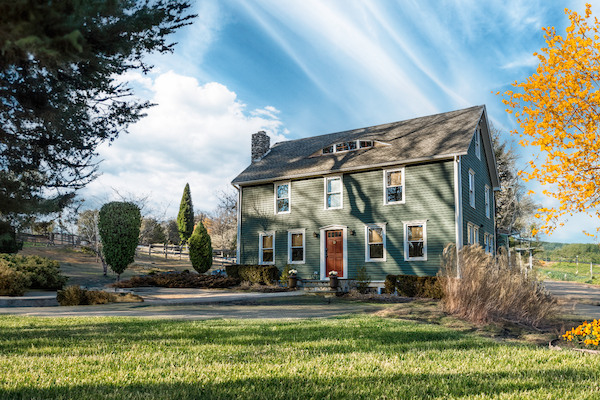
x=333, y=279
x=292, y=278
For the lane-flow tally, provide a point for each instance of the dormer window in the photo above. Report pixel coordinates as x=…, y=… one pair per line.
x=348, y=146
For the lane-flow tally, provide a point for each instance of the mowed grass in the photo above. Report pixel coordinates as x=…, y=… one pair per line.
x=571, y=272
x=354, y=357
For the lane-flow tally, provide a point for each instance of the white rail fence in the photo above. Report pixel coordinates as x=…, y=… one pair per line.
x=175, y=252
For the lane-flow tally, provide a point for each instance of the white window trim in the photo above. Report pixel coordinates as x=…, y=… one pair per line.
x=290, y=233
x=385, y=200
x=475, y=229
x=472, y=195
x=487, y=201
x=323, y=243
x=289, y=183
x=357, y=141
x=260, y=247
x=478, y=142
x=381, y=225
x=326, y=178
x=406, y=225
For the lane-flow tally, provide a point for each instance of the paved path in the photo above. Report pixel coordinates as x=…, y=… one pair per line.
x=577, y=298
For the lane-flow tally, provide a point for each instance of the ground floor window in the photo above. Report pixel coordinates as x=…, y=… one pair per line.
x=472, y=233
x=488, y=240
x=266, y=248
x=375, y=243
x=415, y=240
x=296, y=244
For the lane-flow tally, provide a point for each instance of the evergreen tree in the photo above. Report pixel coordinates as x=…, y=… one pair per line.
x=119, y=228
x=60, y=94
x=200, y=249
x=185, y=218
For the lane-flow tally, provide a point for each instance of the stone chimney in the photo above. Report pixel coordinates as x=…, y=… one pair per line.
x=261, y=143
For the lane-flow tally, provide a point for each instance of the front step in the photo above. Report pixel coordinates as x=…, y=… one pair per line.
x=318, y=286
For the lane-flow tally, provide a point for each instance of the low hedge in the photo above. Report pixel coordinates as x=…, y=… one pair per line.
x=40, y=273
x=415, y=286
x=76, y=296
x=183, y=279
x=263, y=274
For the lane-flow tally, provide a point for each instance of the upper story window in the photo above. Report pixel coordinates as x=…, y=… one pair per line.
x=375, y=242
x=393, y=186
x=333, y=192
x=487, y=201
x=348, y=146
x=266, y=247
x=472, y=188
x=415, y=240
x=282, y=197
x=478, y=143
x=296, y=245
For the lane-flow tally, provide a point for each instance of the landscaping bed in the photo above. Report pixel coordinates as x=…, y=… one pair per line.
x=176, y=279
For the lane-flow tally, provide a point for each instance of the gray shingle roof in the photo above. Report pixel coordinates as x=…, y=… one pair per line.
x=435, y=136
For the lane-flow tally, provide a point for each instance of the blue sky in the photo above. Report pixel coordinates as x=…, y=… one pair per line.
x=305, y=68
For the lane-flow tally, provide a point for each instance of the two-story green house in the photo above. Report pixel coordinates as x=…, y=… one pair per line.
x=388, y=197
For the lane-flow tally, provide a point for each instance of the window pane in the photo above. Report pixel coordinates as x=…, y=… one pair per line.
x=375, y=235
x=327, y=150
x=366, y=144
x=298, y=254
x=394, y=194
x=267, y=242
x=334, y=185
x=283, y=205
x=341, y=146
x=394, y=178
x=415, y=249
x=296, y=240
x=334, y=200
x=282, y=191
x=352, y=145
x=415, y=232
x=376, y=251
x=267, y=255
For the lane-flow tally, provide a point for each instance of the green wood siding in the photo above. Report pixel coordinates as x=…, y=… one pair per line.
x=429, y=195
x=482, y=177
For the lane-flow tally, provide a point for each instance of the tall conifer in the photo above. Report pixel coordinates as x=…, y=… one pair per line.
x=185, y=218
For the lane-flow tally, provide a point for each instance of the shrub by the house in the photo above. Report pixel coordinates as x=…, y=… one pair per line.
x=200, y=249
x=184, y=279
x=415, y=286
x=263, y=274
x=119, y=227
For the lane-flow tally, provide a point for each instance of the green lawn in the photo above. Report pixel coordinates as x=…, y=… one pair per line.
x=350, y=357
x=566, y=271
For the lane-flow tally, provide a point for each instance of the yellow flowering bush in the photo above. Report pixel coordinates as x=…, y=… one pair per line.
x=587, y=334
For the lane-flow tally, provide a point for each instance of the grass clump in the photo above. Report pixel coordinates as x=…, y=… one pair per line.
x=492, y=288
x=174, y=279
x=76, y=296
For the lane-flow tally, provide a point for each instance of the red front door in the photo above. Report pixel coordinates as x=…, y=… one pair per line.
x=335, y=253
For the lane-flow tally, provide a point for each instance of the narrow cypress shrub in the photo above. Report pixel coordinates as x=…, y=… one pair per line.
x=200, y=249
x=8, y=238
x=119, y=227
x=185, y=218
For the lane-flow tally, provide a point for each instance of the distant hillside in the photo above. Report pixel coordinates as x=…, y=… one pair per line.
x=568, y=251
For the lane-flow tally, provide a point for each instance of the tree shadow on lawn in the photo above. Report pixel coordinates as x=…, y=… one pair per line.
x=544, y=383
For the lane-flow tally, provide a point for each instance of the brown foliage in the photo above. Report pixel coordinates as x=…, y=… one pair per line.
x=183, y=279
x=491, y=288
x=75, y=296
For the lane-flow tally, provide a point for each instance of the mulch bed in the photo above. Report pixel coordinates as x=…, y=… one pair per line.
x=559, y=344
x=176, y=279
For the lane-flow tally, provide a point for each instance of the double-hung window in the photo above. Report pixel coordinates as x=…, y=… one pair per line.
x=415, y=240
x=472, y=188
x=393, y=186
x=266, y=247
x=473, y=233
x=333, y=192
x=478, y=143
x=375, y=243
x=296, y=245
x=487, y=201
x=282, y=197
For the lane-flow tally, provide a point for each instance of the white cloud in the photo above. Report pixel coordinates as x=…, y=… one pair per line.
x=196, y=134
x=523, y=61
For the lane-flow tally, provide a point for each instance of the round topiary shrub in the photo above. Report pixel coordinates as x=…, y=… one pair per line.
x=200, y=249
x=119, y=227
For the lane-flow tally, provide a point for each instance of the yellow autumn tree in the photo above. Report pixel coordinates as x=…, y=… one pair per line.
x=558, y=109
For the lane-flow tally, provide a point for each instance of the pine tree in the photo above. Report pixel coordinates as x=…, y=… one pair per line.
x=185, y=218
x=200, y=249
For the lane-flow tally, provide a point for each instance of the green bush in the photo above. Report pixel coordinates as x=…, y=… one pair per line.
x=185, y=217
x=263, y=274
x=71, y=296
x=415, y=286
x=12, y=282
x=200, y=249
x=119, y=227
x=363, y=280
x=43, y=273
x=178, y=280
x=8, y=239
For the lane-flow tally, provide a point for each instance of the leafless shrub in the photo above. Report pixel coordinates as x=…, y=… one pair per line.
x=492, y=288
